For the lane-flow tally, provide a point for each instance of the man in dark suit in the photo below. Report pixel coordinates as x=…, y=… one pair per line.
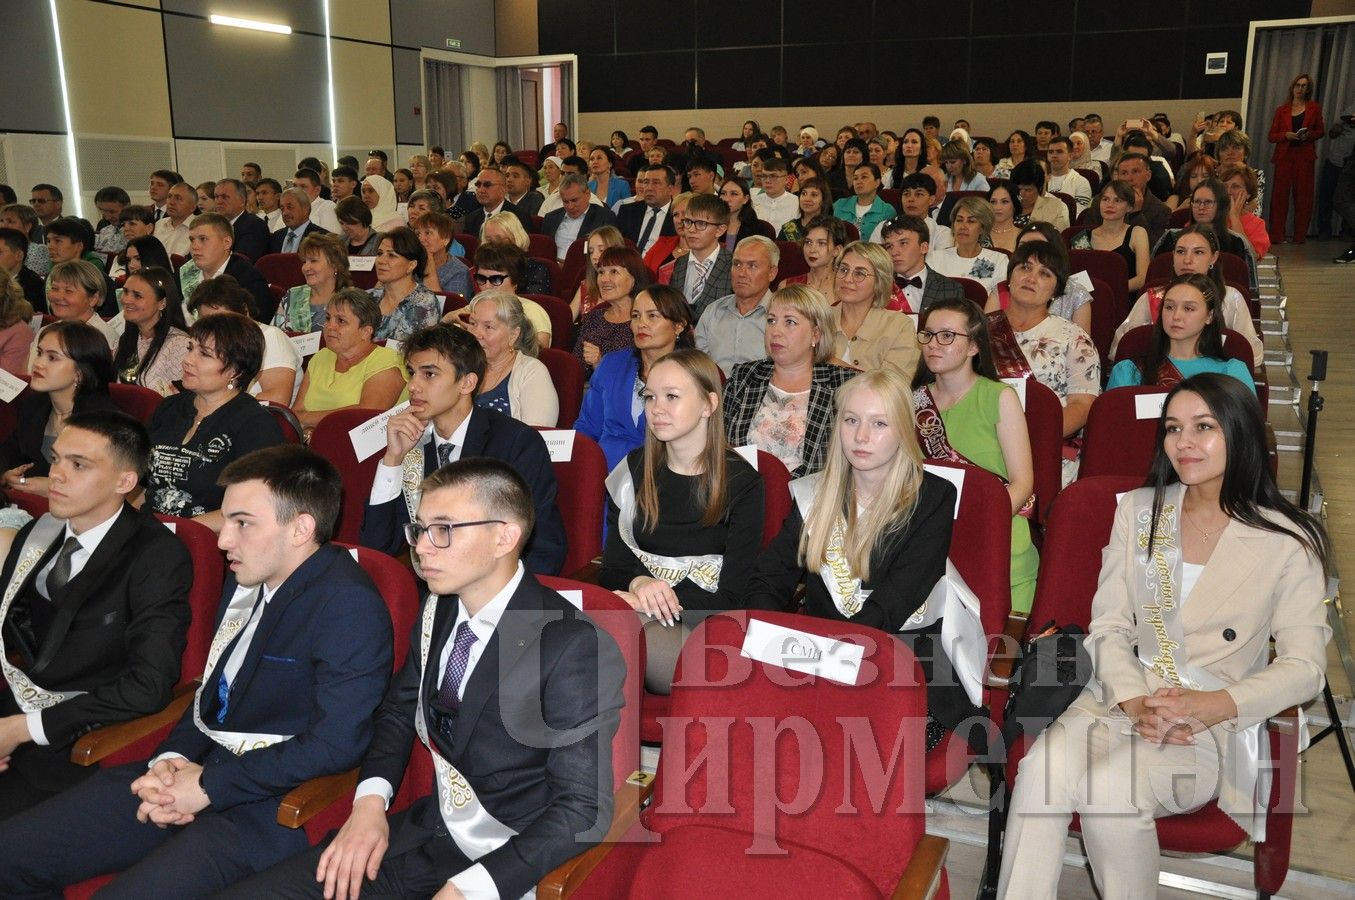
x=491, y=191
x=96, y=627
x=443, y=424
x=577, y=217
x=906, y=239
x=300, y=661
x=703, y=275
x=251, y=234
x=520, y=184
x=13, y=253
x=516, y=693
x=296, y=222
x=211, y=241
x=648, y=218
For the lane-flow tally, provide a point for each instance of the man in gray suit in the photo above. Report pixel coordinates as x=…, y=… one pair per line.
x=577, y=217
x=703, y=274
x=905, y=237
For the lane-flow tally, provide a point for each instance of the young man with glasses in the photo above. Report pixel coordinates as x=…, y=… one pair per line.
x=774, y=204
x=703, y=274
x=442, y=424
x=514, y=691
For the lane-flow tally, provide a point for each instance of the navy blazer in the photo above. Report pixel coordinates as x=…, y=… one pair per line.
x=276, y=238
x=317, y=667
x=594, y=218
x=475, y=219
x=504, y=438
x=630, y=221
x=547, y=669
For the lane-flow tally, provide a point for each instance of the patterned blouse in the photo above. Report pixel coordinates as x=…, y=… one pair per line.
x=419, y=309
x=165, y=368
x=779, y=425
x=1062, y=357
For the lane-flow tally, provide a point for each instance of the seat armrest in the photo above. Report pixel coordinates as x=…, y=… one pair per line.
x=566, y=877
x=588, y=573
x=922, y=877
x=1284, y=722
x=105, y=741
x=309, y=798
x=1004, y=660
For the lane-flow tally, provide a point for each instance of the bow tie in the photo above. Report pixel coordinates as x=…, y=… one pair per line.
x=915, y=281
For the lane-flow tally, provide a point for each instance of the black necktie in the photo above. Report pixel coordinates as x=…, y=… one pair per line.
x=61, y=569
x=915, y=281
x=159, y=214
x=650, y=217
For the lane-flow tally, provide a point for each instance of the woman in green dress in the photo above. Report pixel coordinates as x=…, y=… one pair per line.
x=965, y=414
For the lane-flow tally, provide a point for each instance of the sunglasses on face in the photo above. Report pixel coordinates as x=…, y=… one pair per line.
x=495, y=280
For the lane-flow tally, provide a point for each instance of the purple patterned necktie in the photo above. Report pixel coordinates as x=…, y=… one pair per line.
x=448, y=697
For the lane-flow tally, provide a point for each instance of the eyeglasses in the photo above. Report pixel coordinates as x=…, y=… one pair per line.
x=1204, y=204
x=697, y=225
x=440, y=534
x=944, y=338
x=846, y=273
x=495, y=280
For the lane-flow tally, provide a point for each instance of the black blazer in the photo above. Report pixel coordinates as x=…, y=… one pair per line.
x=251, y=236
x=630, y=221
x=24, y=444
x=251, y=279
x=530, y=203
x=495, y=435
x=547, y=669
x=116, y=631
x=276, y=238
x=35, y=289
x=594, y=218
x=904, y=568
x=475, y=219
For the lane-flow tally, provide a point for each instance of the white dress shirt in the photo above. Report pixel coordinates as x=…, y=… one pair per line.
x=776, y=211
x=323, y=214
x=390, y=480
x=175, y=239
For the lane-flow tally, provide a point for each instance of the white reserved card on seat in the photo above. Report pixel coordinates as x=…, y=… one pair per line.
x=1082, y=280
x=800, y=651
x=361, y=263
x=1018, y=385
x=307, y=344
x=955, y=477
x=574, y=597
x=1149, y=406
x=11, y=386
x=369, y=438
x=559, y=444
x=748, y=452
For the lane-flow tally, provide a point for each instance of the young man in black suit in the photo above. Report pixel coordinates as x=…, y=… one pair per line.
x=648, y=218
x=211, y=254
x=906, y=239
x=94, y=610
x=515, y=692
x=13, y=254
x=296, y=671
x=443, y=424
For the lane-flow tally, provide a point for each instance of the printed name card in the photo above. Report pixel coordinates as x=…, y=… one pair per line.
x=1149, y=406
x=36, y=322
x=307, y=344
x=172, y=526
x=369, y=438
x=955, y=477
x=1018, y=385
x=11, y=386
x=1082, y=280
x=393, y=344
x=748, y=452
x=800, y=651
x=574, y=597
x=361, y=263
x=559, y=444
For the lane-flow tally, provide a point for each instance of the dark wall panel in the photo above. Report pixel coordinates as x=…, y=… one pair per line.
x=406, y=76
x=887, y=52
x=36, y=106
x=232, y=84
x=429, y=23
x=302, y=15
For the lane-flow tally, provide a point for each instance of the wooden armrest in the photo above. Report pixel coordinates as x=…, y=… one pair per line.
x=922, y=877
x=1000, y=670
x=566, y=877
x=1285, y=722
x=306, y=800
x=103, y=742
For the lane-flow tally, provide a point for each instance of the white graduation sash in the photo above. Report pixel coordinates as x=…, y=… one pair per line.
x=470, y=825
x=1245, y=776
x=236, y=617
x=30, y=696
x=412, y=489
x=702, y=571
x=962, y=636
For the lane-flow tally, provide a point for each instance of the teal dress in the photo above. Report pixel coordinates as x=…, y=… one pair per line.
x=1126, y=372
x=971, y=428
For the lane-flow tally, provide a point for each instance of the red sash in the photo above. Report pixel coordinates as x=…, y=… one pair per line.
x=1007, y=355
x=898, y=301
x=931, y=437
x=1154, y=303
x=1168, y=376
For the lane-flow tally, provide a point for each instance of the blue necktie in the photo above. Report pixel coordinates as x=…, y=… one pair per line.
x=223, y=686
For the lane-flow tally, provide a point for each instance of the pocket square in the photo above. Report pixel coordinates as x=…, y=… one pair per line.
x=279, y=659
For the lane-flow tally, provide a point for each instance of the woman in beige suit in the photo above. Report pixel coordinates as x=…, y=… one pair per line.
x=1205, y=565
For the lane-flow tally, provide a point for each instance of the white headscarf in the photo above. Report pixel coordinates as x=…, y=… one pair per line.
x=385, y=215
x=1081, y=162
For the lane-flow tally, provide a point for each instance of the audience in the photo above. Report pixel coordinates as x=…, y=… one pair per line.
x=16, y=332
x=355, y=221
x=351, y=370
x=74, y=291
x=379, y=196
x=25, y=221
x=324, y=266
x=505, y=228
x=621, y=275
x=445, y=273
x=730, y=331
x=1115, y=231
x=279, y=373
x=516, y=383
x=815, y=202
x=916, y=285
x=971, y=222
x=823, y=239
x=868, y=335
x=406, y=304
x=14, y=249
x=211, y=241
x=702, y=274
x=154, y=341
x=501, y=268
x=586, y=295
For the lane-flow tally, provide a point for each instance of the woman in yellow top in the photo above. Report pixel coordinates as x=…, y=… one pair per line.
x=869, y=336
x=351, y=370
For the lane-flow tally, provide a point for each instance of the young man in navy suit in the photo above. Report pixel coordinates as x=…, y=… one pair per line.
x=517, y=695
x=443, y=424
x=298, y=666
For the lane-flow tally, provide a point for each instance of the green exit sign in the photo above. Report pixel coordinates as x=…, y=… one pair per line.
x=453, y=44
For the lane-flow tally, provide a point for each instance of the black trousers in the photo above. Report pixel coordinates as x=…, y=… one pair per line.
x=92, y=830
x=36, y=774
x=419, y=863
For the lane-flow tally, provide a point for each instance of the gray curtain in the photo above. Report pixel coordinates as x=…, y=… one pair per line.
x=567, y=110
x=445, y=113
x=508, y=84
x=1327, y=53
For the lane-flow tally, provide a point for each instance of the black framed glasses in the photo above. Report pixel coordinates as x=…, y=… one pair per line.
x=944, y=338
x=495, y=280
x=440, y=533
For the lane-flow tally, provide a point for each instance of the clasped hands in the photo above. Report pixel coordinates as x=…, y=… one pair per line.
x=1173, y=715
x=171, y=792
x=654, y=597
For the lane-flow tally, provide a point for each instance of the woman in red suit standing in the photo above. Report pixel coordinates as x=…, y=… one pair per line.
x=1294, y=130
